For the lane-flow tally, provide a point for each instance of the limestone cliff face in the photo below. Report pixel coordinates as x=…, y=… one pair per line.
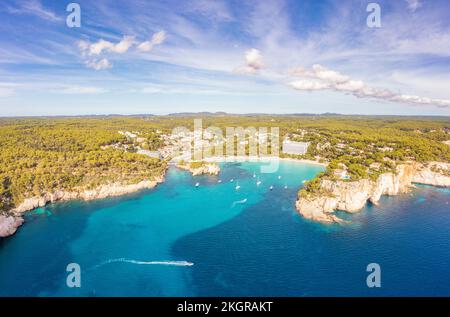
x=434, y=173
x=209, y=168
x=352, y=196
x=9, y=225
x=10, y=222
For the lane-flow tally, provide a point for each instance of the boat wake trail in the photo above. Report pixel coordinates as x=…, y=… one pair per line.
x=243, y=201
x=124, y=260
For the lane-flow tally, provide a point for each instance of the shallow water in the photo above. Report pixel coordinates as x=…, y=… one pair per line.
x=215, y=240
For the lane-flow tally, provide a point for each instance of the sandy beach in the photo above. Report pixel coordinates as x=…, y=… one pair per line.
x=259, y=159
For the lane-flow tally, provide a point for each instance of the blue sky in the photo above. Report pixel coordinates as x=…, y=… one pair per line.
x=279, y=56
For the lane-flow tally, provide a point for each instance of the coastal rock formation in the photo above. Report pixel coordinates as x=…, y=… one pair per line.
x=353, y=196
x=434, y=173
x=10, y=223
x=207, y=168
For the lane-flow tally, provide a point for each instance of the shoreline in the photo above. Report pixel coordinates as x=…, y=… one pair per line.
x=261, y=159
x=352, y=196
x=11, y=222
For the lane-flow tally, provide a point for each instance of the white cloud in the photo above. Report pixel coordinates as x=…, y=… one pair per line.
x=253, y=62
x=33, y=7
x=157, y=38
x=321, y=78
x=124, y=45
x=413, y=5
x=103, y=45
x=253, y=58
x=97, y=48
x=90, y=50
x=309, y=85
x=322, y=73
x=99, y=64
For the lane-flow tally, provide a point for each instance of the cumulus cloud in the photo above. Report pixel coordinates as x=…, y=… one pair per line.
x=253, y=58
x=92, y=52
x=321, y=78
x=107, y=46
x=157, y=38
x=123, y=45
x=97, y=48
x=253, y=62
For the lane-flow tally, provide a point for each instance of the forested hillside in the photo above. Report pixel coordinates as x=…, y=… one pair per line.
x=41, y=155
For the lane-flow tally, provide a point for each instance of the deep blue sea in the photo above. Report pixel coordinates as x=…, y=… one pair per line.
x=241, y=242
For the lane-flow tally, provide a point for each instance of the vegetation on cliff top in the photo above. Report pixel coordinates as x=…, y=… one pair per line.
x=364, y=148
x=39, y=156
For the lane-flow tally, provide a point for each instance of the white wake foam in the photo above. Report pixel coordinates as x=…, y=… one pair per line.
x=123, y=260
x=243, y=201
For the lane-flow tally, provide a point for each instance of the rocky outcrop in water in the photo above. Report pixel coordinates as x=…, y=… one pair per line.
x=352, y=196
x=9, y=224
x=207, y=168
x=13, y=219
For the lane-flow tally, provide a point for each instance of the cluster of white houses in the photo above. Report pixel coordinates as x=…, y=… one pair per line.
x=184, y=139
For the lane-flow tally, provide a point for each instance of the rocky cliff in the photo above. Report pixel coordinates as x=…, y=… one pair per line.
x=13, y=219
x=9, y=224
x=434, y=173
x=352, y=196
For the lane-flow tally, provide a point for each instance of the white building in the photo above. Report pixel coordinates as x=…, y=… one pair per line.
x=296, y=148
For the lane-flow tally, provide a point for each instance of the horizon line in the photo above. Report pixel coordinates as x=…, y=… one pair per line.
x=218, y=113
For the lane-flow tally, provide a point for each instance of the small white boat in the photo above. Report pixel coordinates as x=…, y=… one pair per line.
x=197, y=184
x=285, y=186
x=279, y=177
x=254, y=175
x=258, y=182
x=219, y=181
x=231, y=180
x=271, y=187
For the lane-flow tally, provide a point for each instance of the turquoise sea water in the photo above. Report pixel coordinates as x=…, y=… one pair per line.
x=245, y=242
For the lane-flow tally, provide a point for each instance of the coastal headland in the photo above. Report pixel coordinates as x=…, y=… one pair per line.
x=352, y=196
